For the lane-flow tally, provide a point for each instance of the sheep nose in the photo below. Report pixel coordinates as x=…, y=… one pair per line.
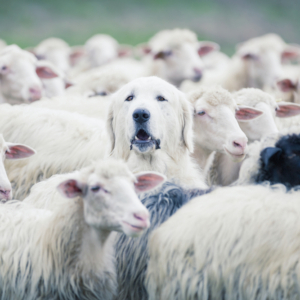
x=143, y=218
x=5, y=194
x=239, y=143
x=141, y=115
x=198, y=74
x=35, y=93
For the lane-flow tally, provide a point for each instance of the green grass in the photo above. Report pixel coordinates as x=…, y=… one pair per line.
x=27, y=22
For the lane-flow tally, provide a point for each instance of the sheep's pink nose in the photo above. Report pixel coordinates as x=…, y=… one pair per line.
x=239, y=143
x=35, y=93
x=4, y=194
x=143, y=218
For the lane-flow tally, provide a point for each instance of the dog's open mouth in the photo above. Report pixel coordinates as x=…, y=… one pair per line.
x=144, y=141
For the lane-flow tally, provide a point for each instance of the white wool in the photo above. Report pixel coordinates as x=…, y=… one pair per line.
x=259, y=70
x=90, y=95
x=64, y=142
x=53, y=248
x=235, y=242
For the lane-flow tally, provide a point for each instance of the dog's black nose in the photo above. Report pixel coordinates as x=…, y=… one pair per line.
x=141, y=115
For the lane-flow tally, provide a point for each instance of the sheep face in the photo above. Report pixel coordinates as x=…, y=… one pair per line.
x=20, y=74
x=281, y=164
x=178, y=64
x=290, y=89
x=10, y=151
x=149, y=114
x=109, y=199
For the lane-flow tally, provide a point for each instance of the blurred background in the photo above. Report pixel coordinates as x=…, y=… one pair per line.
x=227, y=22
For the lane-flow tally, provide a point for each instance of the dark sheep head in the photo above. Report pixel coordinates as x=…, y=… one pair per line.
x=281, y=164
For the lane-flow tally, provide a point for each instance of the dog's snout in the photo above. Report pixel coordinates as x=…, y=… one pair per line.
x=141, y=115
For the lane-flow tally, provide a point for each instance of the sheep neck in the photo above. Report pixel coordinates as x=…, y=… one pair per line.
x=201, y=155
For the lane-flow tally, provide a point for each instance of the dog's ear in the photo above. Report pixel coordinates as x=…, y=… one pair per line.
x=110, y=126
x=187, y=129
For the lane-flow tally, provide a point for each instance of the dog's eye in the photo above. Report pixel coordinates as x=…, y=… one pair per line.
x=161, y=98
x=129, y=98
x=201, y=113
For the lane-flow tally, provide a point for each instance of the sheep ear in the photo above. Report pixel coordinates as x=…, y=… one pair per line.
x=286, y=85
x=18, y=151
x=76, y=53
x=268, y=153
x=207, y=47
x=71, y=188
x=146, y=181
x=125, y=50
x=187, y=129
x=291, y=52
x=247, y=113
x=110, y=126
x=287, y=109
x=45, y=72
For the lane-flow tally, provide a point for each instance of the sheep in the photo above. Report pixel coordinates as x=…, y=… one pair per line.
x=150, y=126
x=236, y=243
x=64, y=142
x=262, y=163
x=222, y=170
x=90, y=95
x=55, y=50
x=174, y=55
x=99, y=50
x=256, y=63
x=215, y=124
x=10, y=151
x=21, y=74
x=66, y=251
x=132, y=254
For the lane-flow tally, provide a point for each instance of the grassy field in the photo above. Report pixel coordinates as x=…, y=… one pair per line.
x=27, y=22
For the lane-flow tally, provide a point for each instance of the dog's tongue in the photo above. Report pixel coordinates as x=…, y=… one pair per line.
x=142, y=135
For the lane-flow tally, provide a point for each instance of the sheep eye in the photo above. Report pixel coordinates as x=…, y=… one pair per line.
x=95, y=188
x=161, y=98
x=4, y=68
x=98, y=94
x=201, y=113
x=129, y=98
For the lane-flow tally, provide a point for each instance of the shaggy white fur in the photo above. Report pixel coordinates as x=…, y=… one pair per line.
x=169, y=130
x=66, y=252
x=238, y=242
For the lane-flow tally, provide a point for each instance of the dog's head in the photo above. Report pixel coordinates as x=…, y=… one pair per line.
x=149, y=114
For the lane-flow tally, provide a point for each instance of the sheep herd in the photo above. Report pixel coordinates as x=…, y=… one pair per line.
x=162, y=171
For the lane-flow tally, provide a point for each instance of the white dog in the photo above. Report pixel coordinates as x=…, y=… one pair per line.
x=150, y=127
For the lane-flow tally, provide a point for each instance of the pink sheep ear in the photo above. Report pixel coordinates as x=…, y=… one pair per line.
x=246, y=113
x=45, y=72
x=18, y=151
x=72, y=188
x=76, y=53
x=207, y=47
x=286, y=85
x=146, y=181
x=291, y=52
x=287, y=109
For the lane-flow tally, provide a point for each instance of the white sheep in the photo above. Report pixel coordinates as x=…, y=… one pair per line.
x=66, y=251
x=99, y=50
x=21, y=74
x=64, y=142
x=54, y=50
x=235, y=243
x=10, y=151
x=256, y=63
x=91, y=93
x=215, y=124
x=222, y=170
x=174, y=55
